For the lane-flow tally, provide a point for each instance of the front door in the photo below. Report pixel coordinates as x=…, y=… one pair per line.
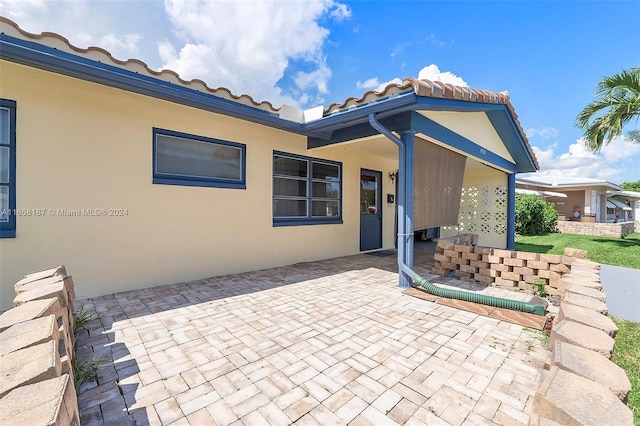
x=370, y=210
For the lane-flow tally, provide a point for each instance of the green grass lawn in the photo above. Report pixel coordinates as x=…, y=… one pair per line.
x=626, y=354
x=610, y=251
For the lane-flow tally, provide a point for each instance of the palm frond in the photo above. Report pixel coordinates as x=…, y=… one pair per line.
x=617, y=102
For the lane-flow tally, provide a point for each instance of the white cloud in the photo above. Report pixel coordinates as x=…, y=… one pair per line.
x=430, y=72
x=317, y=79
x=368, y=84
x=375, y=84
x=544, y=133
x=80, y=21
x=431, y=38
x=433, y=73
x=617, y=161
x=340, y=11
x=400, y=48
x=247, y=46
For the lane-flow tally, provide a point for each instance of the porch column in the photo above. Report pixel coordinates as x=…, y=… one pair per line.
x=511, y=211
x=405, y=204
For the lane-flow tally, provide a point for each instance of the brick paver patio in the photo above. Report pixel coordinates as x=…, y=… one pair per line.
x=328, y=342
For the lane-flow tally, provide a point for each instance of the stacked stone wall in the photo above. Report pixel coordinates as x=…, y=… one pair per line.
x=36, y=352
x=514, y=270
x=611, y=230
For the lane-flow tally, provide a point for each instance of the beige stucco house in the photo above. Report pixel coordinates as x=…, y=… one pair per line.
x=577, y=198
x=625, y=205
x=134, y=178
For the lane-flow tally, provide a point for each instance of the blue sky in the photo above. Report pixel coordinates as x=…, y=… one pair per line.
x=549, y=55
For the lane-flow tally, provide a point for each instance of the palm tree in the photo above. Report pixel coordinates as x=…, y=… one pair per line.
x=617, y=102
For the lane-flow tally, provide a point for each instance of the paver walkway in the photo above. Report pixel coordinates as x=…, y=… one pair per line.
x=328, y=342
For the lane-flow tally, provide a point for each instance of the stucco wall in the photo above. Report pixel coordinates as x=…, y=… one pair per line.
x=483, y=207
x=85, y=146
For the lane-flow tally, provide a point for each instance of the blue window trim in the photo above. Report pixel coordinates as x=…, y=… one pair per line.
x=309, y=220
x=8, y=229
x=167, y=179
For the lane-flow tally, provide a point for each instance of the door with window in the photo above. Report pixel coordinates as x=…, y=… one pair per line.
x=370, y=209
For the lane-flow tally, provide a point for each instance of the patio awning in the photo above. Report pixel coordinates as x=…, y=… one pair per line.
x=612, y=204
x=540, y=193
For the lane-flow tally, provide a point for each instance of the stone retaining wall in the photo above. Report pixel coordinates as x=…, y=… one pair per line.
x=514, y=270
x=612, y=230
x=36, y=351
x=582, y=386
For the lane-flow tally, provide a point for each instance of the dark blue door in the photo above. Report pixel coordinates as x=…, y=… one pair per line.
x=370, y=210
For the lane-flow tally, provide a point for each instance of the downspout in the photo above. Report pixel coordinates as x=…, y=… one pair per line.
x=401, y=202
x=405, y=247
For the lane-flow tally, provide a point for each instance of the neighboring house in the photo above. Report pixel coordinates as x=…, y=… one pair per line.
x=578, y=199
x=626, y=204
x=135, y=178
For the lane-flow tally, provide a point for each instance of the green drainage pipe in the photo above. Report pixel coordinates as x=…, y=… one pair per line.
x=498, y=302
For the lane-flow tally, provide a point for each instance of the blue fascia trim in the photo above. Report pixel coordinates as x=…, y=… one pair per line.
x=506, y=128
x=396, y=122
x=352, y=116
x=424, y=125
x=396, y=104
x=8, y=229
x=511, y=211
x=49, y=59
x=441, y=104
x=165, y=179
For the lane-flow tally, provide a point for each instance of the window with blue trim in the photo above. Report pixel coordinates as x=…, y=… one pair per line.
x=306, y=190
x=190, y=160
x=7, y=168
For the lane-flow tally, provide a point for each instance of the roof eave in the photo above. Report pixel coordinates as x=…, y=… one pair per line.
x=34, y=54
x=385, y=107
x=49, y=59
x=498, y=114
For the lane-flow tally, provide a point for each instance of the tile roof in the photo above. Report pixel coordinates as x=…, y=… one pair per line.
x=425, y=88
x=438, y=89
x=98, y=54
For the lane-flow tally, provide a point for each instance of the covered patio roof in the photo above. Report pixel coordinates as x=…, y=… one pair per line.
x=628, y=194
x=612, y=203
x=436, y=111
x=541, y=193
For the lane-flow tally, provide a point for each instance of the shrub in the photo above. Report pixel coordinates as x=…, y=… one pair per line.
x=534, y=216
x=550, y=217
